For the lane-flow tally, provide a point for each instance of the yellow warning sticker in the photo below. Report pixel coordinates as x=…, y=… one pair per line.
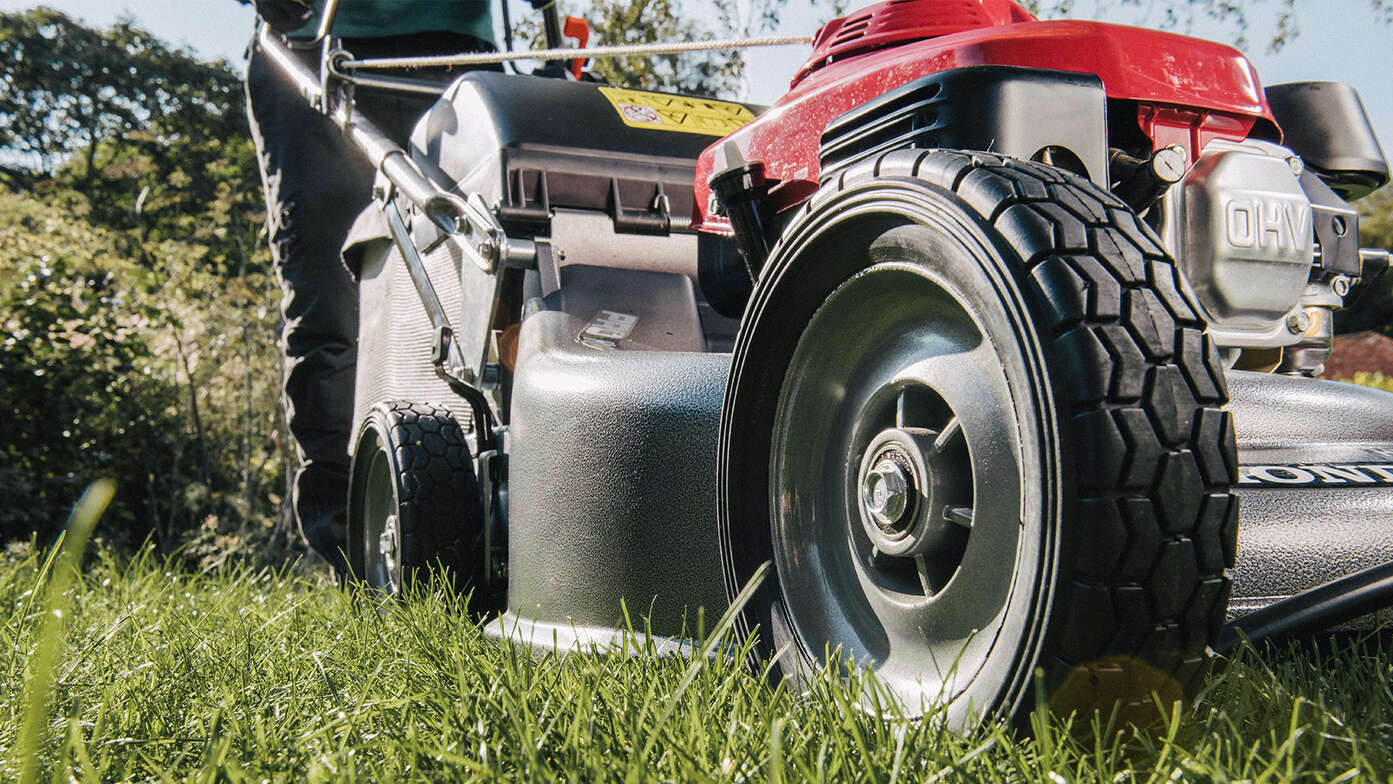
x=660, y=112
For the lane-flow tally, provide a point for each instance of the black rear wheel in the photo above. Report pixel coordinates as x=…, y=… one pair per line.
x=414, y=502
x=976, y=425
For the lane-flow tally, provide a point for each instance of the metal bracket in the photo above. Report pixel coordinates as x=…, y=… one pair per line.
x=446, y=351
x=491, y=468
x=326, y=22
x=1336, y=227
x=446, y=354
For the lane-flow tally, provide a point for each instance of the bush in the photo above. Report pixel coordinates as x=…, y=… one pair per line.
x=100, y=377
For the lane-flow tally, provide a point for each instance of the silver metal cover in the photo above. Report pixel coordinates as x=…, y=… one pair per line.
x=1240, y=226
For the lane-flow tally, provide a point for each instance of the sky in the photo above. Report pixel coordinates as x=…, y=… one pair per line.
x=1338, y=40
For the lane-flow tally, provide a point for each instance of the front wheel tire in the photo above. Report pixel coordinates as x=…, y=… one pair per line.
x=414, y=503
x=974, y=421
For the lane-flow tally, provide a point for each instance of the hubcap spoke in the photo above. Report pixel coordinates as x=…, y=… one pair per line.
x=951, y=432
x=959, y=375
x=922, y=567
x=387, y=546
x=960, y=515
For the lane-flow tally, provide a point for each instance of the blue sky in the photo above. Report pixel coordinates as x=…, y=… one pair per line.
x=1338, y=39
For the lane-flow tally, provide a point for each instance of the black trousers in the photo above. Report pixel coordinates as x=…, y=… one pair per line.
x=316, y=183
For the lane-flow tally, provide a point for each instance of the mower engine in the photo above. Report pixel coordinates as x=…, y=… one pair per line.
x=1270, y=248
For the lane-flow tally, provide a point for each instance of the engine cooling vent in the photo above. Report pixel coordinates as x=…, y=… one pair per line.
x=901, y=21
x=903, y=118
x=1014, y=111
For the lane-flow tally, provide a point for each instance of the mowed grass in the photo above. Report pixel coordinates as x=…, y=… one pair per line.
x=257, y=674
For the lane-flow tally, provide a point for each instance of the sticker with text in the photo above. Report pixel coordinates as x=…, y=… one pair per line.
x=680, y=113
x=1317, y=475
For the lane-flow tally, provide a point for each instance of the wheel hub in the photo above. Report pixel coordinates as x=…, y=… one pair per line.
x=387, y=545
x=907, y=484
x=887, y=490
x=905, y=357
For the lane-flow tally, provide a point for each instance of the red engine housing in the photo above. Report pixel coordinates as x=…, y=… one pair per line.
x=1187, y=90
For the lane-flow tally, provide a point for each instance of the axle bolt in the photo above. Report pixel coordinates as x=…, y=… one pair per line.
x=885, y=492
x=387, y=543
x=1299, y=322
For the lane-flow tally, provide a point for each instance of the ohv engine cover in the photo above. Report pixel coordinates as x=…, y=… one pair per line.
x=1240, y=225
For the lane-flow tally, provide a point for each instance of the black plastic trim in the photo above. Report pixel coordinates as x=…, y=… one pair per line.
x=1020, y=112
x=1327, y=605
x=1325, y=123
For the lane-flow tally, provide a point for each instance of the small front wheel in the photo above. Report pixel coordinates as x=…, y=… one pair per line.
x=414, y=502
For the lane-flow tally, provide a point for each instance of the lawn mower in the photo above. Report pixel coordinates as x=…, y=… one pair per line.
x=995, y=338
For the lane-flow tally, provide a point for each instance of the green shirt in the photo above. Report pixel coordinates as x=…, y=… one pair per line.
x=381, y=18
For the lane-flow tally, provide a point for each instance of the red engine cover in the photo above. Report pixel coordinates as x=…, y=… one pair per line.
x=900, y=21
x=1190, y=89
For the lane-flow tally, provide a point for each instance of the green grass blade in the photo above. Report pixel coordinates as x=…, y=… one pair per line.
x=39, y=688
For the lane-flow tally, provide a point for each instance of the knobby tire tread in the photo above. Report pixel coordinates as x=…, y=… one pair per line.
x=440, y=509
x=1143, y=398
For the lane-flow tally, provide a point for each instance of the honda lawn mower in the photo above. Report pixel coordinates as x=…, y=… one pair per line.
x=994, y=337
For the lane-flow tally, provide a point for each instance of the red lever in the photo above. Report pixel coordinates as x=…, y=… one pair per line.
x=579, y=29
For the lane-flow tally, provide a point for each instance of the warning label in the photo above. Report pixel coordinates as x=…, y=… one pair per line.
x=607, y=329
x=660, y=112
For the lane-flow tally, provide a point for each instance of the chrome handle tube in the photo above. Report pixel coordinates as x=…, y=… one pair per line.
x=305, y=80
x=326, y=22
x=386, y=156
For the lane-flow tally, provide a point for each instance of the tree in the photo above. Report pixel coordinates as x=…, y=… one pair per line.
x=620, y=22
x=1237, y=16
x=65, y=87
x=135, y=291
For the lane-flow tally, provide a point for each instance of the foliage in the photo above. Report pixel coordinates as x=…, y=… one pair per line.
x=251, y=675
x=137, y=294
x=621, y=22
x=114, y=367
x=626, y=22
x=77, y=372
x=1277, y=20
x=644, y=21
x=64, y=87
x=1373, y=379
x=1376, y=219
x=152, y=136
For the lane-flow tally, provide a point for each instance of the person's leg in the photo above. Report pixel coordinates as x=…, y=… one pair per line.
x=315, y=186
x=316, y=183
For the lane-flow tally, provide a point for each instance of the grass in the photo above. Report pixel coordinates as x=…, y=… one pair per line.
x=258, y=674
